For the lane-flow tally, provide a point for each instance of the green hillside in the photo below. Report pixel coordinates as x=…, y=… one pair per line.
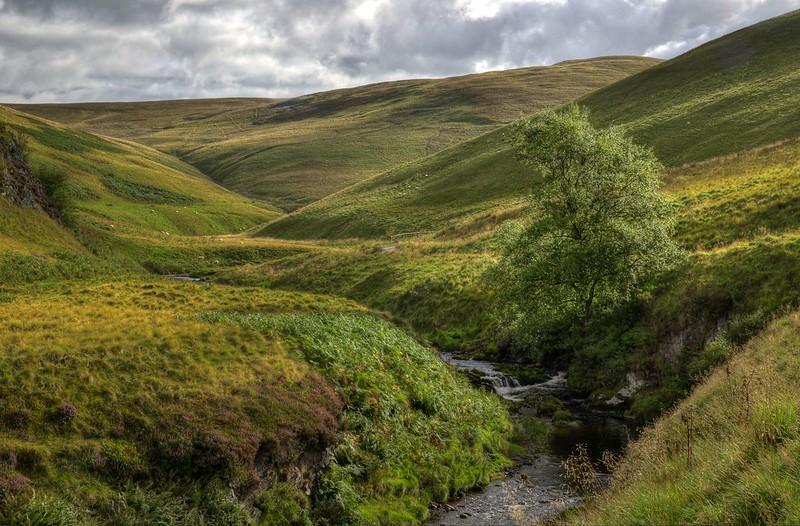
x=130, y=399
x=112, y=184
x=293, y=152
x=743, y=466
x=148, y=401
x=739, y=92
x=731, y=94
x=104, y=190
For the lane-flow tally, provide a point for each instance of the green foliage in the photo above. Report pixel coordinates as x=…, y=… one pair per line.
x=600, y=228
x=42, y=511
x=283, y=505
x=138, y=506
x=413, y=430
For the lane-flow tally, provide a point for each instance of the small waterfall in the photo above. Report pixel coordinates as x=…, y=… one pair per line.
x=504, y=384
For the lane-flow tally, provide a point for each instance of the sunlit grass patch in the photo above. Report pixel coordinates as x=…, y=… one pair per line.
x=414, y=431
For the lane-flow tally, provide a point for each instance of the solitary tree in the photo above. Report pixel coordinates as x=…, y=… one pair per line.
x=600, y=228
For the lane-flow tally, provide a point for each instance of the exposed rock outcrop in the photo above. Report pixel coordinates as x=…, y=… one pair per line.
x=18, y=184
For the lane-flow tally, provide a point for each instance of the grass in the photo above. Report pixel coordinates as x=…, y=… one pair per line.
x=162, y=397
x=738, y=197
x=293, y=152
x=200, y=388
x=745, y=96
x=123, y=187
x=743, y=467
x=105, y=190
x=434, y=289
x=413, y=432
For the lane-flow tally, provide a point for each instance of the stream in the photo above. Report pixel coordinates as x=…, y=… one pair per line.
x=535, y=489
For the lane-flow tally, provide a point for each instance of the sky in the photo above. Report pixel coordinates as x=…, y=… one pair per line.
x=121, y=50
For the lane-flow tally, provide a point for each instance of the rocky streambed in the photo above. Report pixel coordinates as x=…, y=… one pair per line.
x=535, y=489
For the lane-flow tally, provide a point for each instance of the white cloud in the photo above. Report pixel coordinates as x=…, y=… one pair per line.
x=69, y=50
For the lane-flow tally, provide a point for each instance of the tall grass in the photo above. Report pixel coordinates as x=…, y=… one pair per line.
x=412, y=431
x=728, y=454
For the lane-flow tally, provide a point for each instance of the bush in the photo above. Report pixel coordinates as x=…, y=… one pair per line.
x=64, y=415
x=11, y=484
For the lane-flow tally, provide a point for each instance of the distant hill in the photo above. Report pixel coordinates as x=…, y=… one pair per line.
x=734, y=93
x=737, y=92
x=101, y=187
x=293, y=152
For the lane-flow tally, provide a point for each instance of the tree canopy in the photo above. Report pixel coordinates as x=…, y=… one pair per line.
x=600, y=228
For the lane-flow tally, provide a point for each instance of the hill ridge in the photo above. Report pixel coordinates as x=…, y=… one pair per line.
x=322, y=142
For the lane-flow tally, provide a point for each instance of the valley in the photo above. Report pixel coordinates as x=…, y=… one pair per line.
x=253, y=311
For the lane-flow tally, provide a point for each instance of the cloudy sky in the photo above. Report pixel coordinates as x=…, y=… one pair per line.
x=81, y=50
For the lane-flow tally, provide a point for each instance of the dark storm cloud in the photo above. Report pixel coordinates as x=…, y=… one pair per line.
x=70, y=50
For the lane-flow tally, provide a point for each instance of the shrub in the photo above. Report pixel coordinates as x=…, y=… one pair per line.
x=11, y=484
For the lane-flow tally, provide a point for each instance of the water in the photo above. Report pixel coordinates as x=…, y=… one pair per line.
x=186, y=277
x=534, y=490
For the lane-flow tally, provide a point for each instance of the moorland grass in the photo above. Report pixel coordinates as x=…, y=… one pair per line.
x=123, y=187
x=731, y=94
x=295, y=151
x=156, y=416
x=412, y=431
x=745, y=438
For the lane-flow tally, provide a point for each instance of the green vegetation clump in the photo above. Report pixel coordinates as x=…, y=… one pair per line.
x=435, y=290
x=412, y=431
x=600, y=228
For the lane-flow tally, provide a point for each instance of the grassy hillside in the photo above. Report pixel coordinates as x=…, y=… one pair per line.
x=468, y=183
x=745, y=445
x=731, y=94
x=131, y=188
x=145, y=401
x=295, y=151
x=735, y=93
x=104, y=189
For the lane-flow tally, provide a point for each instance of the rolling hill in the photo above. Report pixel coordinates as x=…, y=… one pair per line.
x=105, y=190
x=293, y=152
x=134, y=399
x=734, y=93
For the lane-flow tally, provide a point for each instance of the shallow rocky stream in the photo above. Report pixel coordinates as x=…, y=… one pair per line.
x=534, y=489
